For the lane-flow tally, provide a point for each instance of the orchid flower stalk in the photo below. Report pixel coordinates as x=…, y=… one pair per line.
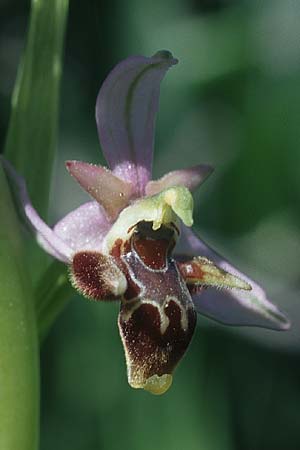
x=133, y=241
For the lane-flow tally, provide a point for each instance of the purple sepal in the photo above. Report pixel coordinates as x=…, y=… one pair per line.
x=232, y=306
x=126, y=109
x=46, y=237
x=84, y=228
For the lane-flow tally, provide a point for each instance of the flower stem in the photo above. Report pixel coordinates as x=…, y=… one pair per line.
x=32, y=134
x=31, y=140
x=19, y=367
x=53, y=292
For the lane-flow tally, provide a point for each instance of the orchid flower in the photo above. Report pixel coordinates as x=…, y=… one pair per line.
x=133, y=243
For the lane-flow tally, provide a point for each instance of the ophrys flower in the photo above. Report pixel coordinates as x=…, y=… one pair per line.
x=133, y=242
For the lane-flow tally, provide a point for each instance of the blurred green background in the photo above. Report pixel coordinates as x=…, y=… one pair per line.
x=233, y=102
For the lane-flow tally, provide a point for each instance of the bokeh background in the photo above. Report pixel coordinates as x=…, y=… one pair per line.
x=233, y=102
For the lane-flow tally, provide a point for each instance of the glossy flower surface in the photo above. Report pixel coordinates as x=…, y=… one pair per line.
x=133, y=242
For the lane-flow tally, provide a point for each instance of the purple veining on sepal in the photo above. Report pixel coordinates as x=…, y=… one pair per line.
x=191, y=178
x=107, y=189
x=125, y=113
x=231, y=306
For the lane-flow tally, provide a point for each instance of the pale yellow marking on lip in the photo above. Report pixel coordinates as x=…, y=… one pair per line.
x=158, y=385
x=164, y=320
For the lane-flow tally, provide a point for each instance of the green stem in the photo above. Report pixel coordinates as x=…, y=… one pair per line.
x=19, y=367
x=53, y=292
x=32, y=134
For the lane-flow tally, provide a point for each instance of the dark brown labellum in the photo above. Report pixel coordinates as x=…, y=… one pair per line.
x=156, y=325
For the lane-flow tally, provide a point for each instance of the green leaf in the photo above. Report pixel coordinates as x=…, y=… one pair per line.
x=53, y=292
x=19, y=373
x=31, y=139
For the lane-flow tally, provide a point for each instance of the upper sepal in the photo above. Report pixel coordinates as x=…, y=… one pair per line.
x=126, y=109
